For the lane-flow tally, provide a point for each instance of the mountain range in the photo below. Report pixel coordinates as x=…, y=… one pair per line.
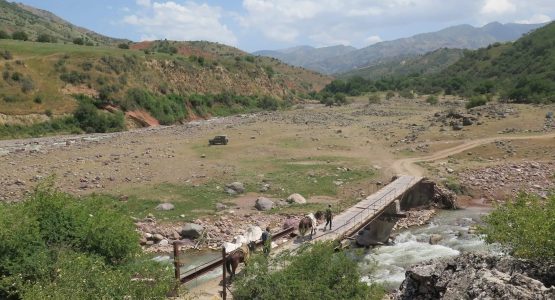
x=347, y=59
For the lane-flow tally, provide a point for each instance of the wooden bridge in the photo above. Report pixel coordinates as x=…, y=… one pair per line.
x=345, y=224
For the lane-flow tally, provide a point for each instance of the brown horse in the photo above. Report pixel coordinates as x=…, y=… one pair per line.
x=308, y=222
x=237, y=256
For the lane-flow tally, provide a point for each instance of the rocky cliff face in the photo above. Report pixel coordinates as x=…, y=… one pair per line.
x=479, y=276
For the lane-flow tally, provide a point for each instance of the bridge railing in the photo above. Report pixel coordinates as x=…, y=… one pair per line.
x=368, y=211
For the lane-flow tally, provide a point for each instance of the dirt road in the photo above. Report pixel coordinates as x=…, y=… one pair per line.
x=408, y=165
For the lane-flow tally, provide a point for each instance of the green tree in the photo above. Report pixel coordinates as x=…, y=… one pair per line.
x=123, y=46
x=315, y=272
x=79, y=41
x=525, y=227
x=20, y=35
x=4, y=35
x=45, y=38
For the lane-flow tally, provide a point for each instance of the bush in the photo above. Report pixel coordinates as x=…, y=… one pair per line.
x=27, y=85
x=20, y=35
x=45, y=38
x=4, y=35
x=16, y=76
x=268, y=103
x=407, y=94
x=315, y=272
x=78, y=41
x=476, y=101
x=7, y=55
x=90, y=119
x=38, y=99
x=432, y=99
x=389, y=95
x=75, y=77
x=374, y=98
x=123, y=46
x=57, y=247
x=524, y=227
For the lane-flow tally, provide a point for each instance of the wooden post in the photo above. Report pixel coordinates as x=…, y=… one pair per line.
x=176, y=263
x=224, y=294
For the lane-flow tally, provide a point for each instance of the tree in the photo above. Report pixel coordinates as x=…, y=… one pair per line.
x=20, y=35
x=4, y=35
x=123, y=46
x=45, y=38
x=525, y=227
x=79, y=41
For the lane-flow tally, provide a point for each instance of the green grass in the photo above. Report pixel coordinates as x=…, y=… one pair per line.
x=188, y=200
x=55, y=127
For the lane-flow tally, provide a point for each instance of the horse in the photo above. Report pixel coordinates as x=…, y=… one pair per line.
x=309, y=221
x=237, y=256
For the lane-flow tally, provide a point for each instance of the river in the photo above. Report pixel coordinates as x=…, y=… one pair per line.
x=387, y=264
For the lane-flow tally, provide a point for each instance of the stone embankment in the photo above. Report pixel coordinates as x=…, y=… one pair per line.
x=479, y=276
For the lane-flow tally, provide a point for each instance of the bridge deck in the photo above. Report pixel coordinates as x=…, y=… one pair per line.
x=344, y=223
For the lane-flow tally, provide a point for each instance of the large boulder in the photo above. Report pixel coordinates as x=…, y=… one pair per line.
x=165, y=206
x=296, y=198
x=435, y=239
x=479, y=276
x=253, y=234
x=235, y=188
x=263, y=203
x=191, y=230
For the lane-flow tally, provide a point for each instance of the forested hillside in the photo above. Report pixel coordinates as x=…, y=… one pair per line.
x=523, y=71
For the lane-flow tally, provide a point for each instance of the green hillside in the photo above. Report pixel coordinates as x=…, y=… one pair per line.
x=35, y=23
x=429, y=63
x=523, y=71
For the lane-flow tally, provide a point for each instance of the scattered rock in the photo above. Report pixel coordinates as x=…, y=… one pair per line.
x=165, y=206
x=191, y=230
x=263, y=203
x=296, y=198
x=220, y=206
x=235, y=188
x=435, y=239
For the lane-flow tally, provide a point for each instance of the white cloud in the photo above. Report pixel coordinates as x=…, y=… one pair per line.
x=144, y=3
x=373, y=39
x=189, y=21
x=498, y=7
x=535, y=19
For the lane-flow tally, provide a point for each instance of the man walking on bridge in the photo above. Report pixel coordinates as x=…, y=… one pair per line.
x=266, y=241
x=329, y=216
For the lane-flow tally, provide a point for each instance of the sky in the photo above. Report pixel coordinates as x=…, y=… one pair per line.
x=265, y=24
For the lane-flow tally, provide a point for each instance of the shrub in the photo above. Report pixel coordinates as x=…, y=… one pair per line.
x=57, y=247
x=524, y=227
x=407, y=94
x=4, y=35
x=476, y=101
x=432, y=99
x=90, y=119
x=7, y=55
x=374, y=98
x=74, y=77
x=268, y=103
x=38, y=99
x=16, y=76
x=123, y=46
x=6, y=75
x=45, y=38
x=27, y=85
x=78, y=41
x=49, y=113
x=389, y=95
x=20, y=35
x=315, y=272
